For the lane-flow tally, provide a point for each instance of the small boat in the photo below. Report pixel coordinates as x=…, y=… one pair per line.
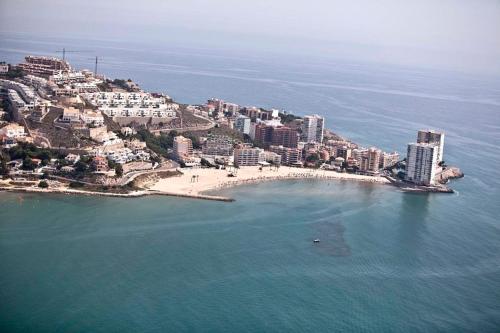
x=316, y=240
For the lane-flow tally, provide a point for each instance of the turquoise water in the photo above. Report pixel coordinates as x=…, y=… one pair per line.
x=387, y=261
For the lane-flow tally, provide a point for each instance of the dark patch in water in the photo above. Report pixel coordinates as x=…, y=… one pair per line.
x=332, y=242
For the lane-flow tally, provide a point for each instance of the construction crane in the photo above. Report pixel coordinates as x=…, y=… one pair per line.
x=95, y=64
x=64, y=51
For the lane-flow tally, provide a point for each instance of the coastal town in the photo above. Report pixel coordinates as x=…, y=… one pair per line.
x=76, y=131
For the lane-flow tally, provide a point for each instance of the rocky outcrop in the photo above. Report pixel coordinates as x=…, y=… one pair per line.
x=449, y=173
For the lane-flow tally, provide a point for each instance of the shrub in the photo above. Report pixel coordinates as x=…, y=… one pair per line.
x=43, y=184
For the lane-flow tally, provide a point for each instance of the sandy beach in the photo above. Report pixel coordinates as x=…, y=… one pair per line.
x=196, y=182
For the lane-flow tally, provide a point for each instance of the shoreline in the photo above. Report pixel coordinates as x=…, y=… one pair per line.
x=202, y=183
x=212, y=180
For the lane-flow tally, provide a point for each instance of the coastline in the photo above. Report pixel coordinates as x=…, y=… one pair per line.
x=209, y=180
x=202, y=182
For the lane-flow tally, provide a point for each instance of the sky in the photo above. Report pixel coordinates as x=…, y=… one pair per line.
x=461, y=35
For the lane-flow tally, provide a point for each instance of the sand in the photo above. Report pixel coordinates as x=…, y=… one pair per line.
x=194, y=182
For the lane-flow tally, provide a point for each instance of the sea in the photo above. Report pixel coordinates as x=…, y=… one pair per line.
x=388, y=261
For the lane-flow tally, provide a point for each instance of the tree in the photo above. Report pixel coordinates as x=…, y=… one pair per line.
x=28, y=164
x=118, y=170
x=81, y=167
x=43, y=184
x=4, y=168
x=111, y=164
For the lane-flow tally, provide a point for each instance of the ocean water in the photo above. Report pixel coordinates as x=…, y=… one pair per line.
x=387, y=262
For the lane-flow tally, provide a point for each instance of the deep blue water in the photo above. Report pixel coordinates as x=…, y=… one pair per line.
x=388, y=261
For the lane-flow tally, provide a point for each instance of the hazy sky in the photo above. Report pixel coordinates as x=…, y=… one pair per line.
x=452, y=34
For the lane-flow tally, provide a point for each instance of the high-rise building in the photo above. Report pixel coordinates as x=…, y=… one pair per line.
x=312, y=128
x=433, y=137
x=263, y=134
x=269, y=134
x=284, y=136
x=421, y=161
x=242, y=124
x=183, y=147
x=370, y=160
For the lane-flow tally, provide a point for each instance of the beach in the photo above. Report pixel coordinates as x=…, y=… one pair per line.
x=197, y=182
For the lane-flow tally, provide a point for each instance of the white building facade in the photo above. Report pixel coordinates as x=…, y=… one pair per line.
x=421, y=162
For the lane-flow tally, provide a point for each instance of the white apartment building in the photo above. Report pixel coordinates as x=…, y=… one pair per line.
x=71, y=115
x=92, y=118
x=133, y=104
x=312, y=128
x=248, y=156
x=421, y=161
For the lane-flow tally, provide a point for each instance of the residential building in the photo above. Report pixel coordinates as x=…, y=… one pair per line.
x=100, y=164
x=71, y=115
x=284, y=136
x=127, y=131
x=183, y=148
x=221, y=145
x=289, y=156
x=44, y=66
x=421, y=161
x=13, y=131
x=343, y=151
x=267, y=134
x=72, y=158
x=133, y=104
x=272, y=157
x=4, y=68
x=370, y=161
x=433, y=137
x=388, y=160
x=312, y=128
x=248, y=156
x=93, y=118
x=242, y=124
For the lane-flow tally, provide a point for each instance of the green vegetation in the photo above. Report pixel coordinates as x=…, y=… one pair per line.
x=158, y=144
x=123, y=84
x=4, y=168
x=118, y=170
x=14, y=73
x=288, y=117
x=104, y=86
x=76, y=184
x=24, y=150
x=43, y=184
x=28, y=164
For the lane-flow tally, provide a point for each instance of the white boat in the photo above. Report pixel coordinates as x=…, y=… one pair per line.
x=316, y=240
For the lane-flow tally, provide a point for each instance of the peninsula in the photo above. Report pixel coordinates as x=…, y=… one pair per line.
x=72, y=131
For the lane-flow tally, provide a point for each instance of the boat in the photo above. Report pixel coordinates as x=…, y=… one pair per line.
x=316, y=240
